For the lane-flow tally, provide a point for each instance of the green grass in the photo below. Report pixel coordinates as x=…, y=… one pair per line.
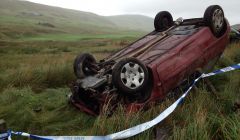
x=72, y=37
x=48, y=64
x=34, y=80
x=36, y=70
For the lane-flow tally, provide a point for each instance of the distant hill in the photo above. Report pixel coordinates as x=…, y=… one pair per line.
x=23, y=18
x=236, y=26
x=133, y=22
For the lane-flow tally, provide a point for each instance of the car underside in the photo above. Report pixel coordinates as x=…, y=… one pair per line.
x=147, y=70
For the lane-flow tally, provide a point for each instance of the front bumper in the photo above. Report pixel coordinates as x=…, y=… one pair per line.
x=93, y=103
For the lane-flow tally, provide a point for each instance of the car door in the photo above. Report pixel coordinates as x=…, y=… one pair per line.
x=183, y=60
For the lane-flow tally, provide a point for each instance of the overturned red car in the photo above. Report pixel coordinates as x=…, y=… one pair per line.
x=150, y=68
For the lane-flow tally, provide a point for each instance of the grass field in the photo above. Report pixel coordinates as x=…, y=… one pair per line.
x=35, y=74
x=37, y=47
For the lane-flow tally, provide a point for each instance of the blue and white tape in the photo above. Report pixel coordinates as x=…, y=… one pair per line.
x=133, y=130
x=227, y=69
x=3, y=136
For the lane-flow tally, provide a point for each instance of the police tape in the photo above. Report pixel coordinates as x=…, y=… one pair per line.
x=3, y=136
x=133, y=130
x=226, y=69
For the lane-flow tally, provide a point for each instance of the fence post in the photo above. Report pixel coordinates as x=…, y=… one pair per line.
x=3, y=128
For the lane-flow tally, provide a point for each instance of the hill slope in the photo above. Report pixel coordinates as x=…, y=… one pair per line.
x=236, y=26
x=23, y=18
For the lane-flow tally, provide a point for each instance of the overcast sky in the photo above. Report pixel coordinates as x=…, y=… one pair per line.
x=178, y=8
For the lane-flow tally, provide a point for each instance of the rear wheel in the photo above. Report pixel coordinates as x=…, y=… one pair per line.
x=130, y=76
x=214, y=18
x=163, y=21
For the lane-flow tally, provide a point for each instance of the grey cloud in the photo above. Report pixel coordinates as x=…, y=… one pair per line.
x=181, y=8
x=178, y=8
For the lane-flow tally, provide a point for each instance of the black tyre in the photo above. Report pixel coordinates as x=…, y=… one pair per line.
x=83, y=65
x=163, y=21
x=130, y=76
x=214, y=18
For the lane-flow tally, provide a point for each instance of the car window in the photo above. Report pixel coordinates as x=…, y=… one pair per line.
x=184, y=30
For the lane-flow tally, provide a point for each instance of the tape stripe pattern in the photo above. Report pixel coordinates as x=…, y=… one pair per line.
x=3, y=136
x=227, y=69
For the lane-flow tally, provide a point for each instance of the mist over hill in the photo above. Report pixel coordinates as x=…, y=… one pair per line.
x=133, y=22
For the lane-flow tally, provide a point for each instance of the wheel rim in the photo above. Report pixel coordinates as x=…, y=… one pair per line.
x=218, y=19
x=132, y=75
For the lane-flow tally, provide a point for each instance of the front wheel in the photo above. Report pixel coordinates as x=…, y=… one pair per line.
x=214, y=18
x=130, y=76
x=84, y=65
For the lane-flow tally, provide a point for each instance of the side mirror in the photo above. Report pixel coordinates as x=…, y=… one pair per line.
x=179, y=21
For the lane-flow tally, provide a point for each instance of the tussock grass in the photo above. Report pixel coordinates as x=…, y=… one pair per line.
x=42, y=65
